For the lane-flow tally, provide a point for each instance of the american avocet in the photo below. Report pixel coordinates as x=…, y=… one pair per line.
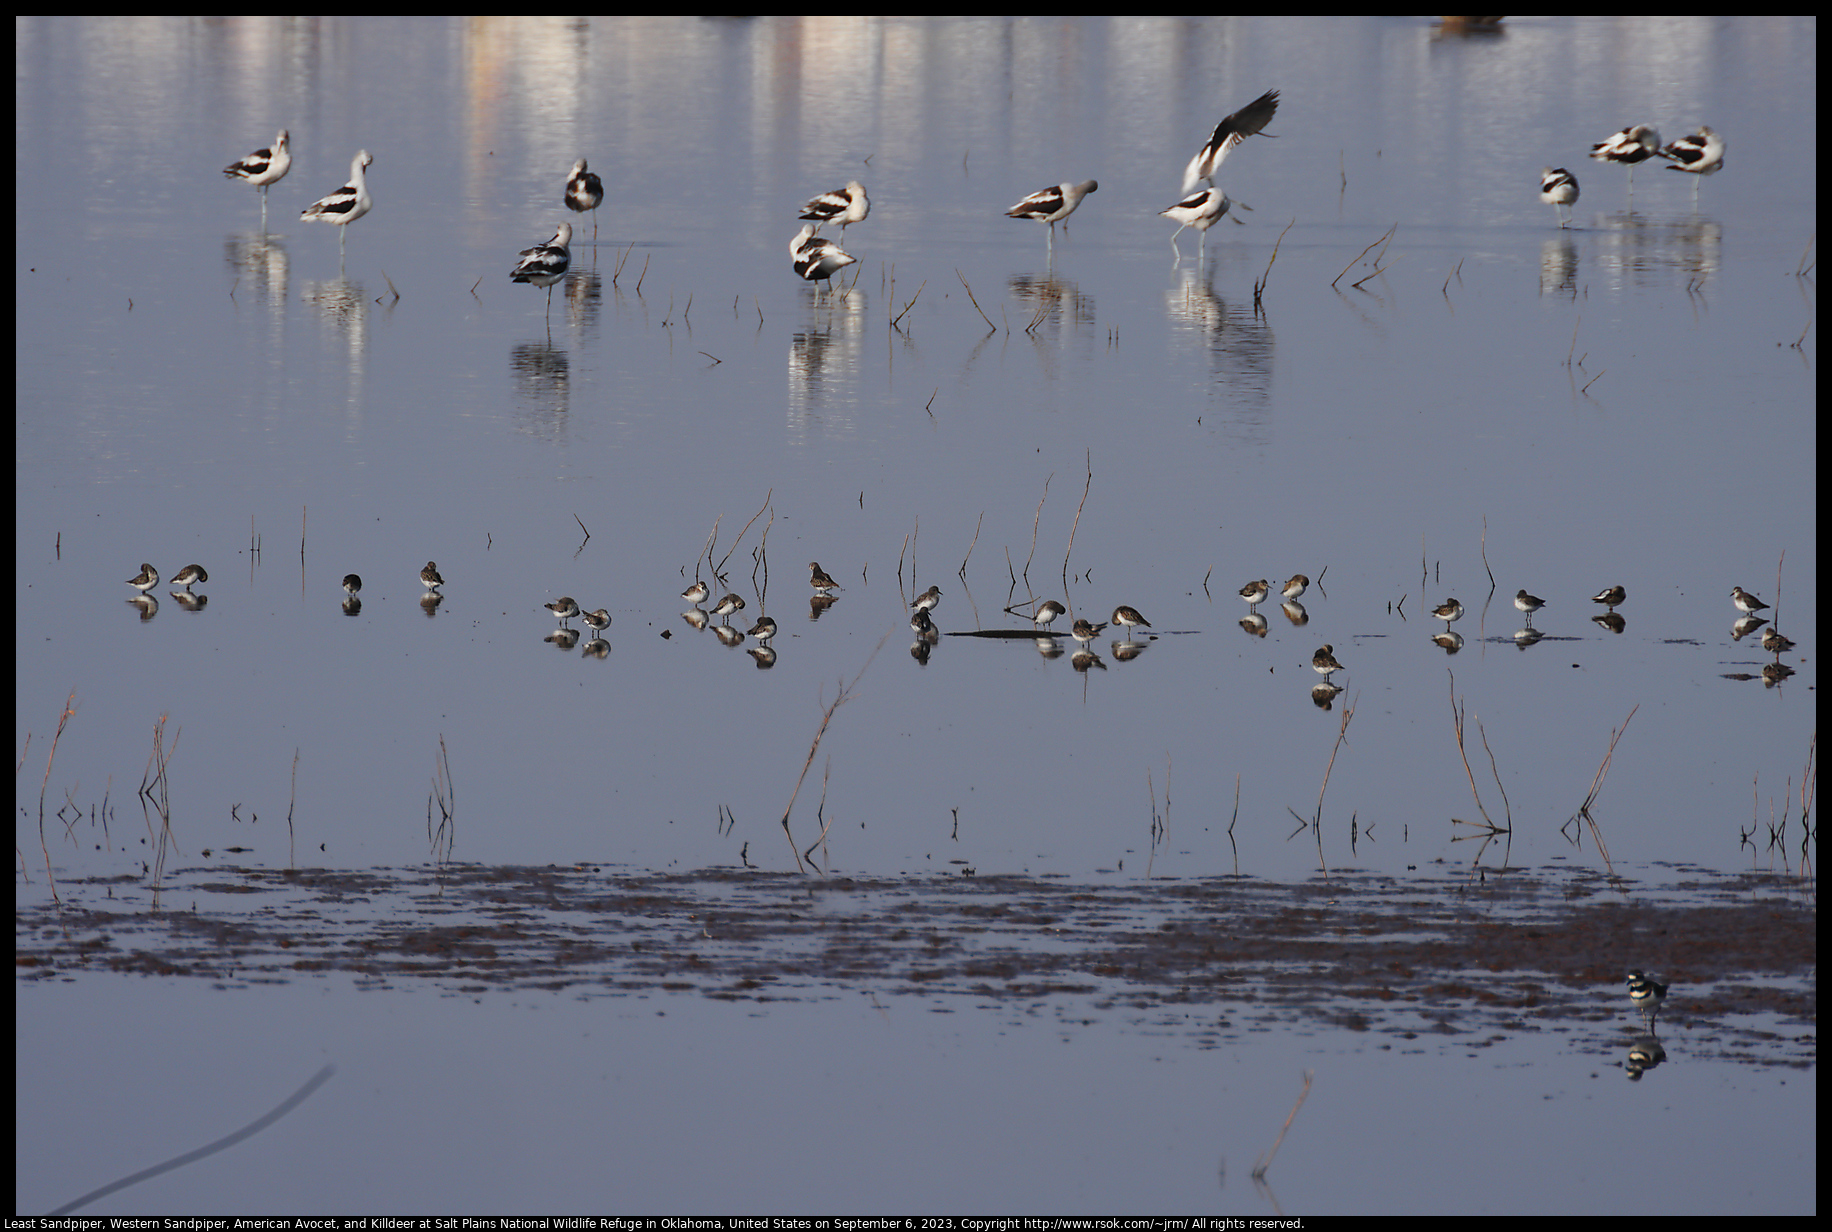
x=1053, y=205
x=843, y=205
x=263, y=168
x=1702, y=154
x=1558, y=188
x=584, y=191
x=1630, y=147
x=1229, y=133
x=347, y=204
x=817, y=259
x=1202, y=209
x=545, y=264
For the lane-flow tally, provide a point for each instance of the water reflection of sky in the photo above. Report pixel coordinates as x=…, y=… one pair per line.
x=1615, y=403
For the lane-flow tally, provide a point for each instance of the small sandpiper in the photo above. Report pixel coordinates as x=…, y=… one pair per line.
x=189, y=576
x=696, y=593
x=429, y=577
x=1129, y=616
x=1047, y=611
x=563, y=607
x=817, y=578
x=1296, y=587
x=1646, y=995
x=1085, y=632
x=352, y=584
x=1448, y=611
x=929, y=599
x=1610, y=597
x=764, y=629
x=146, y=579
x=1745, y=601
x=599, y=620
x=728, y=605
x=1254, y=592
x=1774, y=643
x=1324, y=661
x=1528, y=604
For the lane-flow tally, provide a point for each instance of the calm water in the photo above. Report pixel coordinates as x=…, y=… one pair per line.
x=1622, y=402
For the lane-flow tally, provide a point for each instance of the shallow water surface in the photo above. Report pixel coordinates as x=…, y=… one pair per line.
x=1399, y=377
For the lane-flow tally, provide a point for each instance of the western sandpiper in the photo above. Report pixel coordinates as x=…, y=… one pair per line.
x=1253, y=592
x=1609, y=596
x=429, y=577
x=1047, y=611
x=1448, y=611
x=1324, y=661
x=190, y=575
x=728, y=605
x=929, y=599
x=1296, y=587
x=1085, y=632
x=599, y=620
x=1745, y=601
x=764, y=629
x=1774, y=643
x=1129, y=616
x=817, y=578
x=696, y=593
x=563, y=607
x=1528, y=604
x=146, y=579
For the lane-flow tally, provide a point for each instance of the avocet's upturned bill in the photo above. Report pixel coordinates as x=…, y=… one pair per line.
x=1229, y=133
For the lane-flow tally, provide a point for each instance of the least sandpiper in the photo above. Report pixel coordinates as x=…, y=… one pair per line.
x=1745, y=601
x=1448, y=611
x=599, y=620
x=1047, y=611
x=146, y=579
x=929, y=599
x=190, y=575
x=817, y=578
x=429, y=577
x=1253, y=592
x=764, y=629
x=1646, y=994
x=1085, y=632
x=1129, y=616
x=1774, y=643
x=1296, y=587
x=1610, y=596
x=1324, y=661
x=696, y=593
x=563, y=607
x=1528, y=604
x=728, y=605
x=352, y=584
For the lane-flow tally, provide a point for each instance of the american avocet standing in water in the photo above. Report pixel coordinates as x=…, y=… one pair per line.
x=584, y=191
x=818, y=259
x=263, y=168
x=843, y=205
x=1702, y=154
x=1229, y=133
x=1053, y=205
x=1558, y=188
x=1629, y=148
x=346, y=205
x=545, y=264
x=1202, y=209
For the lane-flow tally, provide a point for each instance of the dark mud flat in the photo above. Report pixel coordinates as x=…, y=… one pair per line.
x=1474, y=961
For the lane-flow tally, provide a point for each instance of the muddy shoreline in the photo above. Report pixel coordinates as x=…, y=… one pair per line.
x=1213, y=958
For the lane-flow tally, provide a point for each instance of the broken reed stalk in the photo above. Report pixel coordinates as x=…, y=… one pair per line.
x=970, y=546
x=847, y=693
x=1342, y=731
x=442, y=837
x=719, y=569
x=1456, y=720
x=1485, y=563
x=820, y=815
x=711, y=539
x=1260, y=1168
x=1507, y=809
x=910, y=305
x=1596, y=788
x=1036, y=522
x=291, y=800
x=1076, y=524
x=62, y=719
x=990, y=327
x=1265, y=278
x=155, y=789
x=1364, y=252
